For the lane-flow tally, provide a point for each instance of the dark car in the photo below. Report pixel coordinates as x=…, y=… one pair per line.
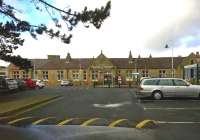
x=21, y=84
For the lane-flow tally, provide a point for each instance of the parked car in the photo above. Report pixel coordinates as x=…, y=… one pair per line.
x=40, y=84
x=159, y=88
x=30, y=83
x=66, y=83
x=7, y=84
x=21, y=84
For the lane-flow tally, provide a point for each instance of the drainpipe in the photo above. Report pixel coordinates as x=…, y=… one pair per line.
x=197, y=74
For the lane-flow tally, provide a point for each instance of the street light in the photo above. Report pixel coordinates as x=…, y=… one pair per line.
x=172, y=60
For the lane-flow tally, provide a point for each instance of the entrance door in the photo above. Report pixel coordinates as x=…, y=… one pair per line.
x=108, y=78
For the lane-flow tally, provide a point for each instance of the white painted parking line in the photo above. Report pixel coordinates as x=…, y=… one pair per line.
x=171, y=108
x=170, y=100
x=166, y=122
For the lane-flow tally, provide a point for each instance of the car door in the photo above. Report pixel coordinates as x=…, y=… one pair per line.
x=182, y=89
x=167, y=87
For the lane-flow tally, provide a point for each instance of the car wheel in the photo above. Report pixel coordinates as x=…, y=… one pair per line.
x=157, y=95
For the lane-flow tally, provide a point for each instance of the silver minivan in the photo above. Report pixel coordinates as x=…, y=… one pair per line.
x=159, y=88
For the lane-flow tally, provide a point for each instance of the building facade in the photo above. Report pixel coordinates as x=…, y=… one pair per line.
x=3, y=71
x=102, y=70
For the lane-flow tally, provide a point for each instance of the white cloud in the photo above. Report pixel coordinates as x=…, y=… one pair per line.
x=143, y=26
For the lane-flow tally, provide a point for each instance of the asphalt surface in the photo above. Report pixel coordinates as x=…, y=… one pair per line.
x=109, y=103
x=114, y=103
x=177, y=118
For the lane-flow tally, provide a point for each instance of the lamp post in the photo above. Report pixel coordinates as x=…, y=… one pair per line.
x=33, y=69
x=172, y=64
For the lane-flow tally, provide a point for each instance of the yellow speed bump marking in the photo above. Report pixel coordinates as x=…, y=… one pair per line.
x=113, y=124
x=143, y=123
x=66, y=121
x=86, y=123
x=18, y=120
x=42, y=120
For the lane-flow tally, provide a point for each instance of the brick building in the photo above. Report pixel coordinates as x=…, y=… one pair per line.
x=85, y=71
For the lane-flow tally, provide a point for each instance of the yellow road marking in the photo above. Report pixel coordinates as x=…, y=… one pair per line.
x=113, y=124
x=144, y=123
x=17, y=120
x=38, y=106
x=42, y=120
x=66, y=121
x=86, y=123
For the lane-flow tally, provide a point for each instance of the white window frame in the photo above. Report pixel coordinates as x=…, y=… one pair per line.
x=16, y=75
x=45, y=75
x=94, y=75
x=162, y=73
x=25, y=75
x=145, y=73
x=76, y=75
x=60, y=75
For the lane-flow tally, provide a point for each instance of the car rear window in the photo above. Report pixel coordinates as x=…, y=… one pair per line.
x=150, y=82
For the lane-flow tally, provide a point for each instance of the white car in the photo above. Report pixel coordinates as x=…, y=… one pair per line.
x=66, y=83
x=40, y=84
x=11, y=83
x=159, y=88
x=7, y=84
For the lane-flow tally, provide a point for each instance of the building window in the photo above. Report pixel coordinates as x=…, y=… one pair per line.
x=162, y=73
x=16, y=74
x=94, y=75
x=24, y=74
x=84, y=75
x=60, y=75
x=75, y=75
x=145, y=73
x=45, y=75
x=129, y=74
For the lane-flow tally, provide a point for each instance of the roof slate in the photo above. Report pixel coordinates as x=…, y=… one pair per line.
x=120, y=63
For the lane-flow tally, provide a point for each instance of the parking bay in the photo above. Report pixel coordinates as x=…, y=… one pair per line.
x=172, y=110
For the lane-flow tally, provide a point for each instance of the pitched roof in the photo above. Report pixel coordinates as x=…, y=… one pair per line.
x=38, y=62
x=149, y=63
x=120, y=63
x=82, y=63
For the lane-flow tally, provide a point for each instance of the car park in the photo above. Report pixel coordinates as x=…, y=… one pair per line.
x=66, y=83
x=159, y=88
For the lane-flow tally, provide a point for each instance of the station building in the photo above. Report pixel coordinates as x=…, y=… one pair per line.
x=86, y=71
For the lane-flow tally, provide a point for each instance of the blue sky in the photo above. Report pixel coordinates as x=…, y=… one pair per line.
x=142, y=26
